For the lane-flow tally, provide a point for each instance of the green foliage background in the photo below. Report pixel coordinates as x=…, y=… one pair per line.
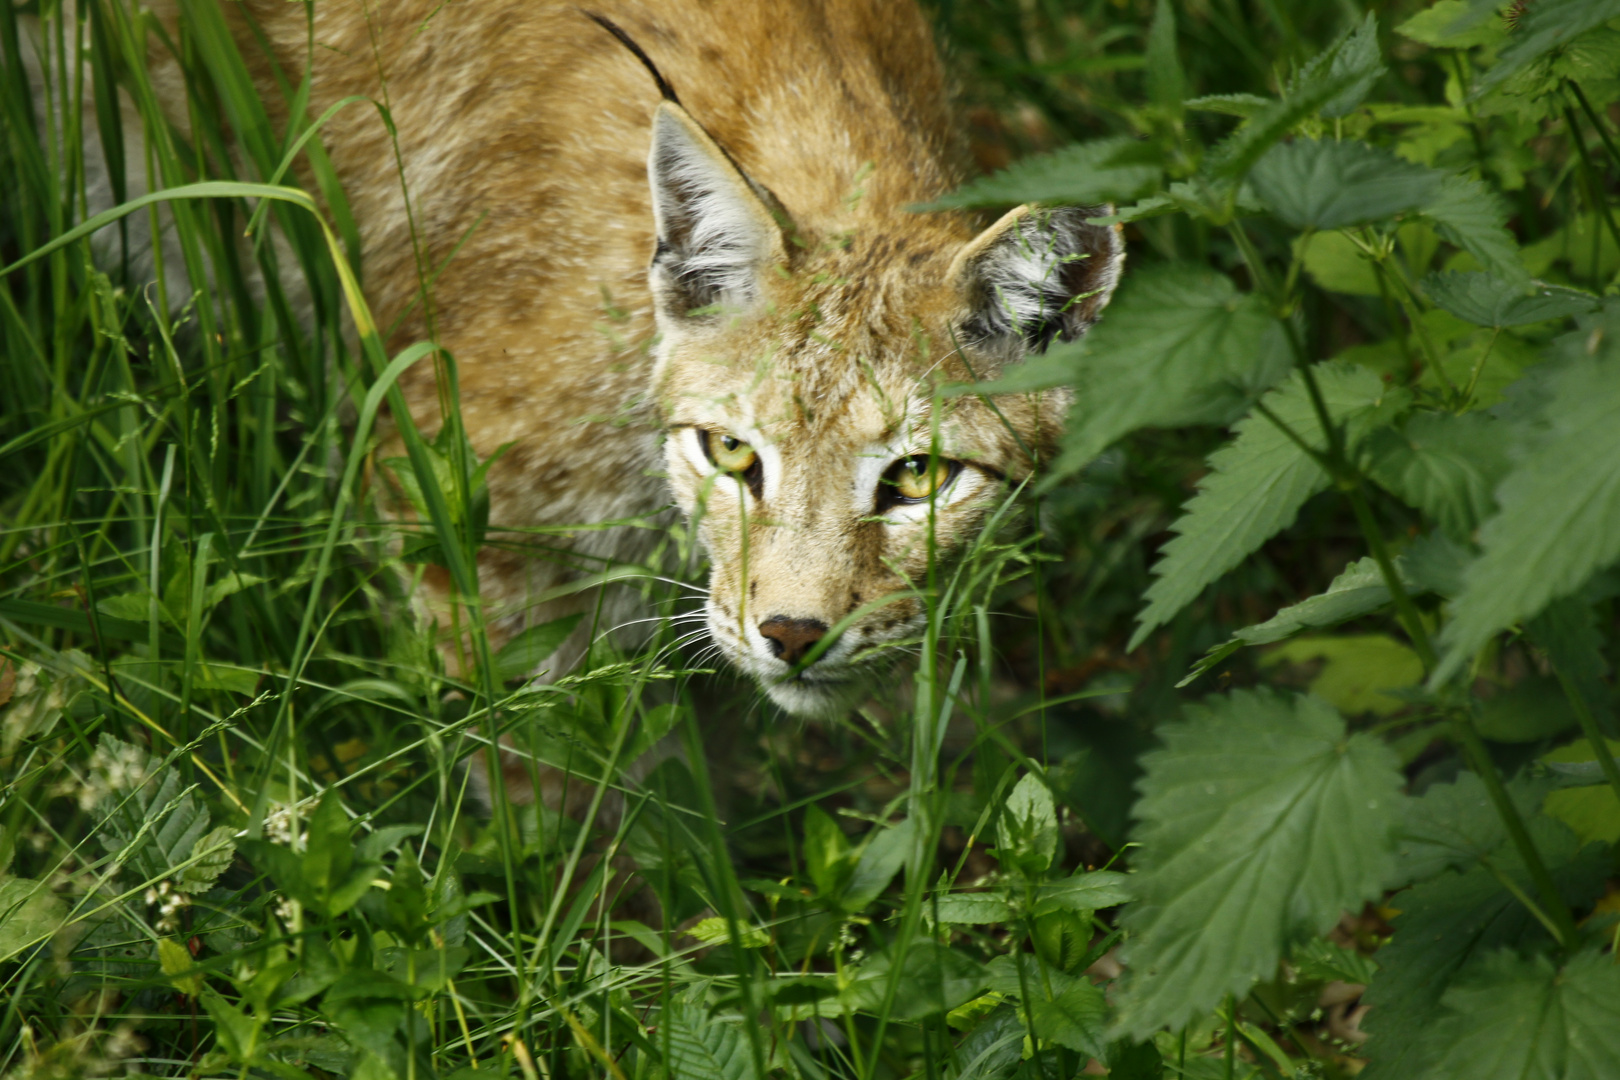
x=1270, y=732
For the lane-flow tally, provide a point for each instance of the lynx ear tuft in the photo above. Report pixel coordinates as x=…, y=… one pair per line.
x=716, y=233
x=1038, y=274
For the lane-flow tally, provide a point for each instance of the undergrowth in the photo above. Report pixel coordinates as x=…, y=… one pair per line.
x=1269, y=732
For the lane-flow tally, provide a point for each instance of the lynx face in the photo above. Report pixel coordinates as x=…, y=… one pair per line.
x=799, y=381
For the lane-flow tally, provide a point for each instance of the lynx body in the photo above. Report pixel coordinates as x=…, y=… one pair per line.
x=727, y=298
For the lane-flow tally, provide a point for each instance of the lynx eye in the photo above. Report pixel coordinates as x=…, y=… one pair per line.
x=915, y=479
x=729, y=453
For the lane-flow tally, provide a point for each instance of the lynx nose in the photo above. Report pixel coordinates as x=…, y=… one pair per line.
x=791, y=638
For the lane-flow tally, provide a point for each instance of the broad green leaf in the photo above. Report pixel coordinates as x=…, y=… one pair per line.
x=1520, y=1018
x=1444, y=465
x=1180, y=346
x=882, y=853
x=1075, y=1017
x=1166, y=82
x=1091, y=891
x=29, y=914
x=1335, y=263
x=1320, y=185
x=827, y=852
x=933, y=979
x=1543, y=27
x=1451, y=826
x=1559, y=516
x=1487, y=300
x=1027, y=830
x=1357, y=670
x=175, y=961
x=1355, y=54
x=1100, y=171
x=1261, y=820
x=1532, y=709
x=1257, y=483
x=1446, y=922
x=1473, y=217
x=519, y=657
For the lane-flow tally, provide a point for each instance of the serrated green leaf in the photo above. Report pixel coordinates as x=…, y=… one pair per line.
x=1312, y=184
x=1472, y=216
x=1545, y=26
x=1232, y=158
x=1087, y=173
x=1451, y=826
x=1027, y=830
x=520, y=657
x=1520, y=1018
x=213, y=852
x=1356, y=54
x=1260, y=821
x=1445, y=465
x=1487, y=300
x=1567, y=630
x=1318, y=958
x=1446, y=922
x=1559, y=516
x=1180, y=346
x=1257, y=483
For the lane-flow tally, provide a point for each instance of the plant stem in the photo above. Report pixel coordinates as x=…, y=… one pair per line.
x=1594, y=188
x=1405, y=609
x=1474, y=750
x=1589, y=728
x=1597, y=123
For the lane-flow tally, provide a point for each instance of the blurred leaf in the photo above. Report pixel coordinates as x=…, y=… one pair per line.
x=1472, y=216
x=1134, y=1061
x=1559, y=516
x=1335, y=263
x=1543, y=27
x=882, y=853
x=1356, y=670
x=1027, y=830
x=1520, y=1018
x=716, y=931
x=1180, y=346
x=1232, y=158
x=520, y=656
x=1087, y=173
x=1319, y=958
x=1567, y=631
x=1591, y=812
x=972, y=909
x=933, y=979
x=174, y=959
x=827, y=852
x=1450, y=826
x=1166, y=82
x=1447, y=25
x=1240, y=105
x=1487, y=300
x=1320, y=185
x=1257, y=483
x=1444, y=465
x=29, y=914
x=1532, y=709
x=1355, y=54
x=1261, y=819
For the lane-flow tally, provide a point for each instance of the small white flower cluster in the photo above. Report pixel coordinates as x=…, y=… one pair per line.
x=284, y=910
x=278, y=826
x=121, y=767
x=170, y=903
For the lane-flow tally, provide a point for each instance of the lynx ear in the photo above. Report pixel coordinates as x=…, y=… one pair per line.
x=717, y=235
x=1038, y=274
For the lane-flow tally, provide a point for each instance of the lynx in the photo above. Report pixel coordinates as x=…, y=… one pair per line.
x=679, y=256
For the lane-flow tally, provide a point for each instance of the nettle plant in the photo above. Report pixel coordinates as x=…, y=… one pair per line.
x=1477, y=446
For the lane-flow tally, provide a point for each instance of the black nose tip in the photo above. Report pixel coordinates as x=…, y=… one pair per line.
x=791, y=638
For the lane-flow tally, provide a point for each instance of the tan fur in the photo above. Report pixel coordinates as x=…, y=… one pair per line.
x=523, y=132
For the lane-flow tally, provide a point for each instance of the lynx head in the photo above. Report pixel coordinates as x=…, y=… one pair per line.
x=798, y=368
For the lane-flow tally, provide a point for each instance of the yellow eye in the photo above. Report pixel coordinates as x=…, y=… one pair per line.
x=917, y=477
x=729, y=453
